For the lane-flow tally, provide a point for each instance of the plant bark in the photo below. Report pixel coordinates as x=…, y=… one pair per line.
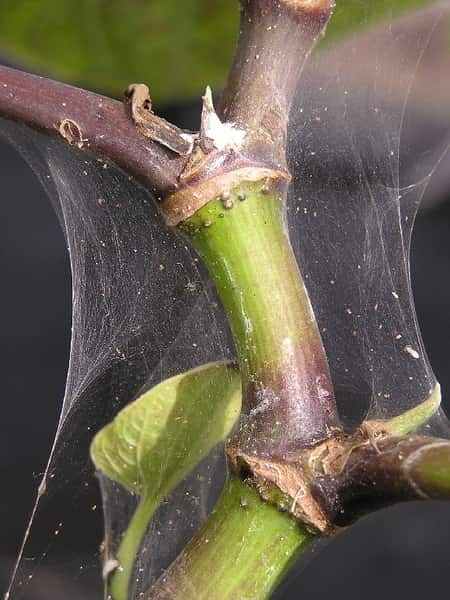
x=242, y=552
x=288, y=399
x=381, y=472
x=276, y=38
x=91, y=122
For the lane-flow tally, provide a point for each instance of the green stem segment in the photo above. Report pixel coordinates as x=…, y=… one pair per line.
x=119, y=585
x=247, y=545
x=288, y=397
x=243, y=551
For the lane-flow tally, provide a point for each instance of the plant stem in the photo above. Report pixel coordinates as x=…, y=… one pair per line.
x=275, y=39
x=390, y=469
x=288, y=397
x=119, y=584
x=90, y=122
x=243, y=551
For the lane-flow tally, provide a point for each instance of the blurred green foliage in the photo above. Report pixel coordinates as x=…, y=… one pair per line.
x=176, y=46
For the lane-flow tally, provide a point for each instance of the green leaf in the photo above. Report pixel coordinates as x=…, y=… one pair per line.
x=413, y=418
x=410, y=420
x=154, y=442
x=176, y=47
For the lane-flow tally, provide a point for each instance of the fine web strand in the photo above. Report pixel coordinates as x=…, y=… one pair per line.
x=355, y=142
x=143, y=310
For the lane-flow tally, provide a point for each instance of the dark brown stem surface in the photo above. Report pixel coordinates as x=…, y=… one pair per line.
x=384, y=471
x=276, y=37
x=90, y=121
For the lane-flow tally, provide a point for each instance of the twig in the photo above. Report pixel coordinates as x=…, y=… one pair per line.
x=400, y=468
x=275, y=40
x=90, y=121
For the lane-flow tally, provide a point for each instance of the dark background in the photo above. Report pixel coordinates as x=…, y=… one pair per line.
x=403, y=552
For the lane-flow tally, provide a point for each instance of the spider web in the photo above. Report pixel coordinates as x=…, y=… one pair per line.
x=143, y=310
x=367, y=137
x=368, y=134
